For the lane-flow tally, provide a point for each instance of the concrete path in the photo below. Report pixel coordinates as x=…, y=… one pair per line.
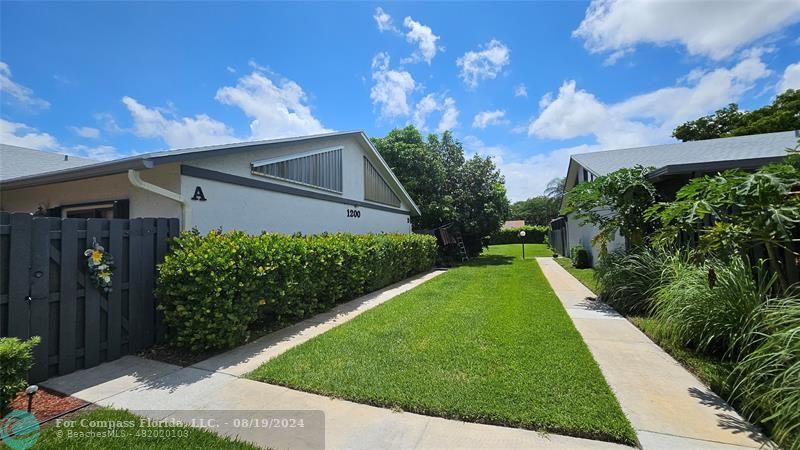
x=213, y=389
x=667, y=405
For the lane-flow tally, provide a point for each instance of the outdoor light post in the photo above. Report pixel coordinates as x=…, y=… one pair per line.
x=522, y=238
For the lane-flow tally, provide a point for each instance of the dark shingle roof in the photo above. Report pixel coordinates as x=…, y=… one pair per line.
x=20, y=161
x=695, y=152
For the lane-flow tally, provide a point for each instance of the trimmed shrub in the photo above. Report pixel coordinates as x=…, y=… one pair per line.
x=580, y=257
x=16, y=358
x=213, y=288
x=534, y=234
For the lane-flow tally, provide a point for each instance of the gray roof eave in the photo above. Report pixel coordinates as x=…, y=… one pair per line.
x=77, y=173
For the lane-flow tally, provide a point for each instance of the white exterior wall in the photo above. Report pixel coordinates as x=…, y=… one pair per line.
x=253, y=210
x=98, y=190
x=583, y=234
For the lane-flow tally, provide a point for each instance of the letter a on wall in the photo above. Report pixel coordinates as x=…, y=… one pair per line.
x=198, y=194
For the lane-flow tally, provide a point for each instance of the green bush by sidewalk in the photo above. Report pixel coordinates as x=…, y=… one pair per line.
x=16, y=358
x=212, y=288
x=534, y=234
x=580, y=257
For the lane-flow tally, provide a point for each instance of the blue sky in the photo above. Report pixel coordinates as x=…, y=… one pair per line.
x=527, y=83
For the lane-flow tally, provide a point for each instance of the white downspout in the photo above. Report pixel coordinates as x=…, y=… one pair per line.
x=186, y=208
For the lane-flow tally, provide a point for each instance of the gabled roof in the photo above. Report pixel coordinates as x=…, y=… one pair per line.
x=18, y=162
x=694, y=152
x=149, y=160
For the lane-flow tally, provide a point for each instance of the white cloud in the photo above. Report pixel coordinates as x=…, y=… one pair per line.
x=278, y=109
x=449, y=119
x=230, y=69
x=423, y=36
x=383, y=20
x=436, y=103
x=790, y=78
x=526, y=176
x=86, y=132
x=711, y=28
x=100, y=153
x=179, y=132
x=486, y=118
x=520, y=90
x=424, y=108
x=21, y=94
x=484, y=64
x=647, y=118
x=391, y=89
x=21, y=135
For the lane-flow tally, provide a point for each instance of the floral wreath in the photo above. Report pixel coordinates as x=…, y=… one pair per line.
x=101, y=266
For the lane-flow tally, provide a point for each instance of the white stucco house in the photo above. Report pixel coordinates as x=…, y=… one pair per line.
x=335, y=182
x=673, y=166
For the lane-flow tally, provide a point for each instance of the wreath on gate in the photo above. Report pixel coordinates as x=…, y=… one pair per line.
x=101, y=266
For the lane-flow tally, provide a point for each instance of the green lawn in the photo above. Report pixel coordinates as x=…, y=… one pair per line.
x=486, y=342
x=54, y=436
x=585, y=276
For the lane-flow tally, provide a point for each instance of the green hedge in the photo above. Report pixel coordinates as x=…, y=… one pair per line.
x=213, y=288
x=16, y=358
x=534, y=234
x=580, y=257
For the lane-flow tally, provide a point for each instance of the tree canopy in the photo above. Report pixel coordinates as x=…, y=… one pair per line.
x=540, y=210
x=782, y=115
x=447, y=187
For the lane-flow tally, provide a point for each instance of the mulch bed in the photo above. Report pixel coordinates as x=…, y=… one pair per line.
x=46, y=403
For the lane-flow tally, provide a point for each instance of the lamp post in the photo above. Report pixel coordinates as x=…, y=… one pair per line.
x=522, y=238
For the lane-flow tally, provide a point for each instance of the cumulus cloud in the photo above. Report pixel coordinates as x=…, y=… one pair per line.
x=436, y=103
x=391, y=89
x=86, y=132
x=278, y=109
x=423, y=37
x=713, y=28
x=177, y=132
x=525, y=175
x=383, y=20
x=790, y=78
x=647, y=118
x=485, y=118
x=21, y=135
x=484, y=64
x=19, y=93
x=449, y=119
x=520, y=90
x=424, y=108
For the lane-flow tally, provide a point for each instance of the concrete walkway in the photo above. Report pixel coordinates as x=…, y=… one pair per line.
x=213, y=389
x=667, y=405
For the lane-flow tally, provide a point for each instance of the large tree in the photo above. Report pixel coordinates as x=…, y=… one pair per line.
x=538, y=210
x=782, y=115
x=446, y=186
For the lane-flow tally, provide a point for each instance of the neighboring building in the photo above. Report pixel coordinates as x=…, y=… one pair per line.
x=674, y=165
x=334, y=182
x=512, y=224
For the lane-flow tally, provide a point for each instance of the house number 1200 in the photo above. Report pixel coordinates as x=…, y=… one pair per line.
x=353, y=213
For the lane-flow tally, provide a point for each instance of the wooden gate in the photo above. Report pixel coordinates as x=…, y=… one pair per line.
x=45, y=289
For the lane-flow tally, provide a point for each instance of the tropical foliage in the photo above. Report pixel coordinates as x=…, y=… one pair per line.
x=615, y=203
x=747, y=209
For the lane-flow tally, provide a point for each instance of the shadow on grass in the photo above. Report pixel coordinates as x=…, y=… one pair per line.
x=490, y=260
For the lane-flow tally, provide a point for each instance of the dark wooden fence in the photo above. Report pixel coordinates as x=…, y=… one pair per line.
x=45, y=289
